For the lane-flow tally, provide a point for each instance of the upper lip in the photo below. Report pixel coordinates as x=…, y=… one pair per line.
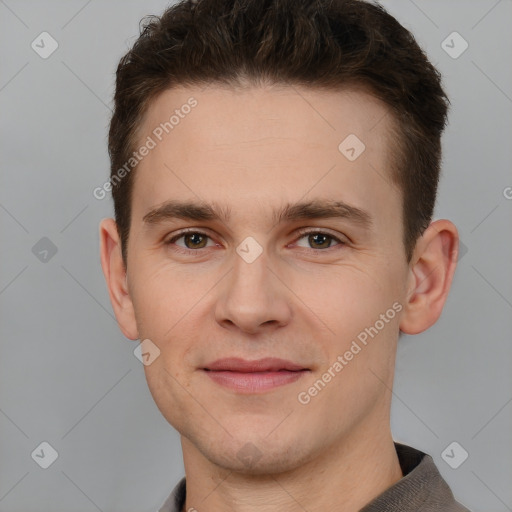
x=267, y=364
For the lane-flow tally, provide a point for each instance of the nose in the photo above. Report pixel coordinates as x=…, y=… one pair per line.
x=253, y=299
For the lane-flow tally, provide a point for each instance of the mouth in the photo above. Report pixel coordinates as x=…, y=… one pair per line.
x=254, y=376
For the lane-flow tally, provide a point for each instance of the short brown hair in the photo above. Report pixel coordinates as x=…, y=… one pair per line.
x=331, y=44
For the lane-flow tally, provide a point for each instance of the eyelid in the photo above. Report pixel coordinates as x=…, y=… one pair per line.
x=300, y=233
x=185, y=231
x=343, y=239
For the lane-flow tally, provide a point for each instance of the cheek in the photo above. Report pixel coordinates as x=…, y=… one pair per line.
x=162, y=297
x=361, y=310
x=345, y=298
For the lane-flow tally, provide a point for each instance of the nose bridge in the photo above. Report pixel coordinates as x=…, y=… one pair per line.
x=251, y=297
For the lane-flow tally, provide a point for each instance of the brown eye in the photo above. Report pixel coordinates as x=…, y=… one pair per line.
x=192, y=240
x=320, y=240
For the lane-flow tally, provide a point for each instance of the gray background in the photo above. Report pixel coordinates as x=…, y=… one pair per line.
x=67, y=374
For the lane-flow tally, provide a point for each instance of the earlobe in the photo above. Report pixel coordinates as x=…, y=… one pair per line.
x=430, y=276
x=116, y=278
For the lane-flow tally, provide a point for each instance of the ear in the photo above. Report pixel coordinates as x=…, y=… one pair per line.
x=430, y=276
x=116, y=278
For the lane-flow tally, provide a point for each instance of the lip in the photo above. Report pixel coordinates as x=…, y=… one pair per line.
x=254, y=376
x=267, y=364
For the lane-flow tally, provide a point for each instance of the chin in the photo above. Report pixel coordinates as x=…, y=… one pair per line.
x=256, y=457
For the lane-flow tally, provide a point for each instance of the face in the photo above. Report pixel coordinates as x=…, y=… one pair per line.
x=300, y=257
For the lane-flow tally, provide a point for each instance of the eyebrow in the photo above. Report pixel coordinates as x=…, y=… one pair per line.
x=202, y=211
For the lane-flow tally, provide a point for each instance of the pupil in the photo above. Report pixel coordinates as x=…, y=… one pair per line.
x=312, y=237
x=195, y=236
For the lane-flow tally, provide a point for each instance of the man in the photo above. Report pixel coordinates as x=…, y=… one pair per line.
x=274, y=173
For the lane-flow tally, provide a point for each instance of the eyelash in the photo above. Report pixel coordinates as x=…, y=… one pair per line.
x=302, y=233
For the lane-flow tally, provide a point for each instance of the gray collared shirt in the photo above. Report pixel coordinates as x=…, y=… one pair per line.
x=421, y=488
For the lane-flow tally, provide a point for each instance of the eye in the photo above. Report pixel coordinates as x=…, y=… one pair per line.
x=192, y=240
x=319, y=239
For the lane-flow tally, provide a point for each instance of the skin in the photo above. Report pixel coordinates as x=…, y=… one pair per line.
x=253, y=149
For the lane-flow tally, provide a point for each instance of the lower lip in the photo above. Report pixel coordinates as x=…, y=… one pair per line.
x=254, y=381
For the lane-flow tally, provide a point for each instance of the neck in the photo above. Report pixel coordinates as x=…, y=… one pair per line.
x=350, y=474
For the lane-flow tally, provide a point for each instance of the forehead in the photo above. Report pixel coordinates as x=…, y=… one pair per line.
x=229, y=114
x=230, y=145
